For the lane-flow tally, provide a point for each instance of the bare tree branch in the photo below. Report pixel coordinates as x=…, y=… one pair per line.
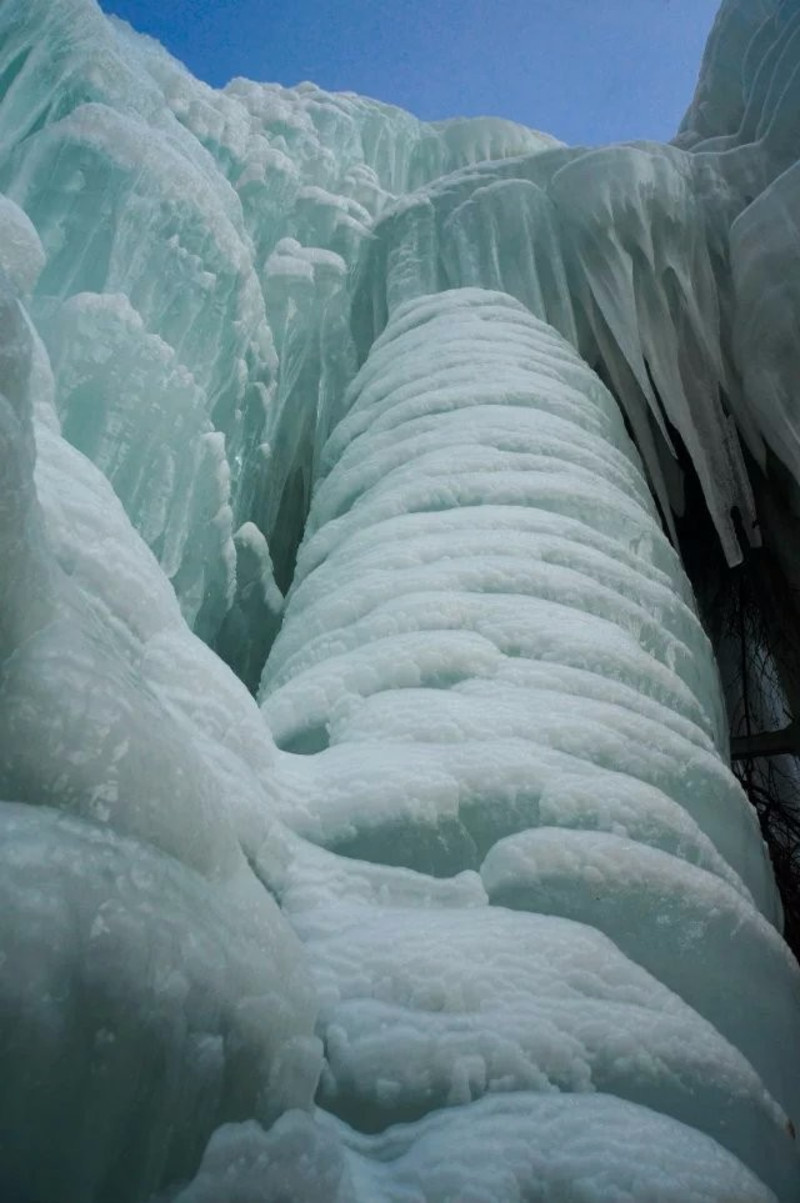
x=785, y=742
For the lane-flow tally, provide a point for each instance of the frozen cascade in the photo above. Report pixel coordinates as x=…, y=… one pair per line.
x=467, y=905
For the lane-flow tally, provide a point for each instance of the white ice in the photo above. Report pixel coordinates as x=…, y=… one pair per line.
x=298, y=398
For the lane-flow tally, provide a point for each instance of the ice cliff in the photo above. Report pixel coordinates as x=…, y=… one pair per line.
x=368, y=834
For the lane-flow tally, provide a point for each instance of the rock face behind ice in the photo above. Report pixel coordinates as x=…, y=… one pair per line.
x=468, y=906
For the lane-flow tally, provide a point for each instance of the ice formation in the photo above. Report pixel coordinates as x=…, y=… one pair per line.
x=367, y=830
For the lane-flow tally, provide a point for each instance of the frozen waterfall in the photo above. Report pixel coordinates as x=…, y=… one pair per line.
x=368, y=833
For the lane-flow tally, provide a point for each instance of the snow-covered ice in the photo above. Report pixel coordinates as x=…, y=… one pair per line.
x=367, y=830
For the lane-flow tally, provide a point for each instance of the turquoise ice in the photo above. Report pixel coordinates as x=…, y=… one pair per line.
x=368, y=834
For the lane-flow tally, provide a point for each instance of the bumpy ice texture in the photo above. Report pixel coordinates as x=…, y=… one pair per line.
x=466, y=905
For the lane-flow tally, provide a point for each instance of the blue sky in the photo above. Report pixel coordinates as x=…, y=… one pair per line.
x=584, y=70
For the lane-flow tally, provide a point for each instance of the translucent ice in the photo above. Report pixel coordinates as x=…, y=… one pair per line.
x=303, y=398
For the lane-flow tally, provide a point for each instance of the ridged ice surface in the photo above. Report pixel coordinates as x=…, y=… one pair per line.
x=298, y=400
x=490, y=662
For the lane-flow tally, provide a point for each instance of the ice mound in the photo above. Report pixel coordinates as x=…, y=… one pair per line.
x=505, y=1149
x=141, y=1007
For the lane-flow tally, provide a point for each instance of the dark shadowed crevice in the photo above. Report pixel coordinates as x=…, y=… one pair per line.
x=287, y=532
x=751, y=613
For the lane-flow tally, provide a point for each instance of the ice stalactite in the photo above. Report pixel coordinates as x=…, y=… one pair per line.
x=398, y=427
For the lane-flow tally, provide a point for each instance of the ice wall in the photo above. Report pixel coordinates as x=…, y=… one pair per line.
x=147, y=975
x=474, y=876
x=211, y=268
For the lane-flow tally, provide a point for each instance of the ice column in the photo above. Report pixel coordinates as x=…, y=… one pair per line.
x=490, y=661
